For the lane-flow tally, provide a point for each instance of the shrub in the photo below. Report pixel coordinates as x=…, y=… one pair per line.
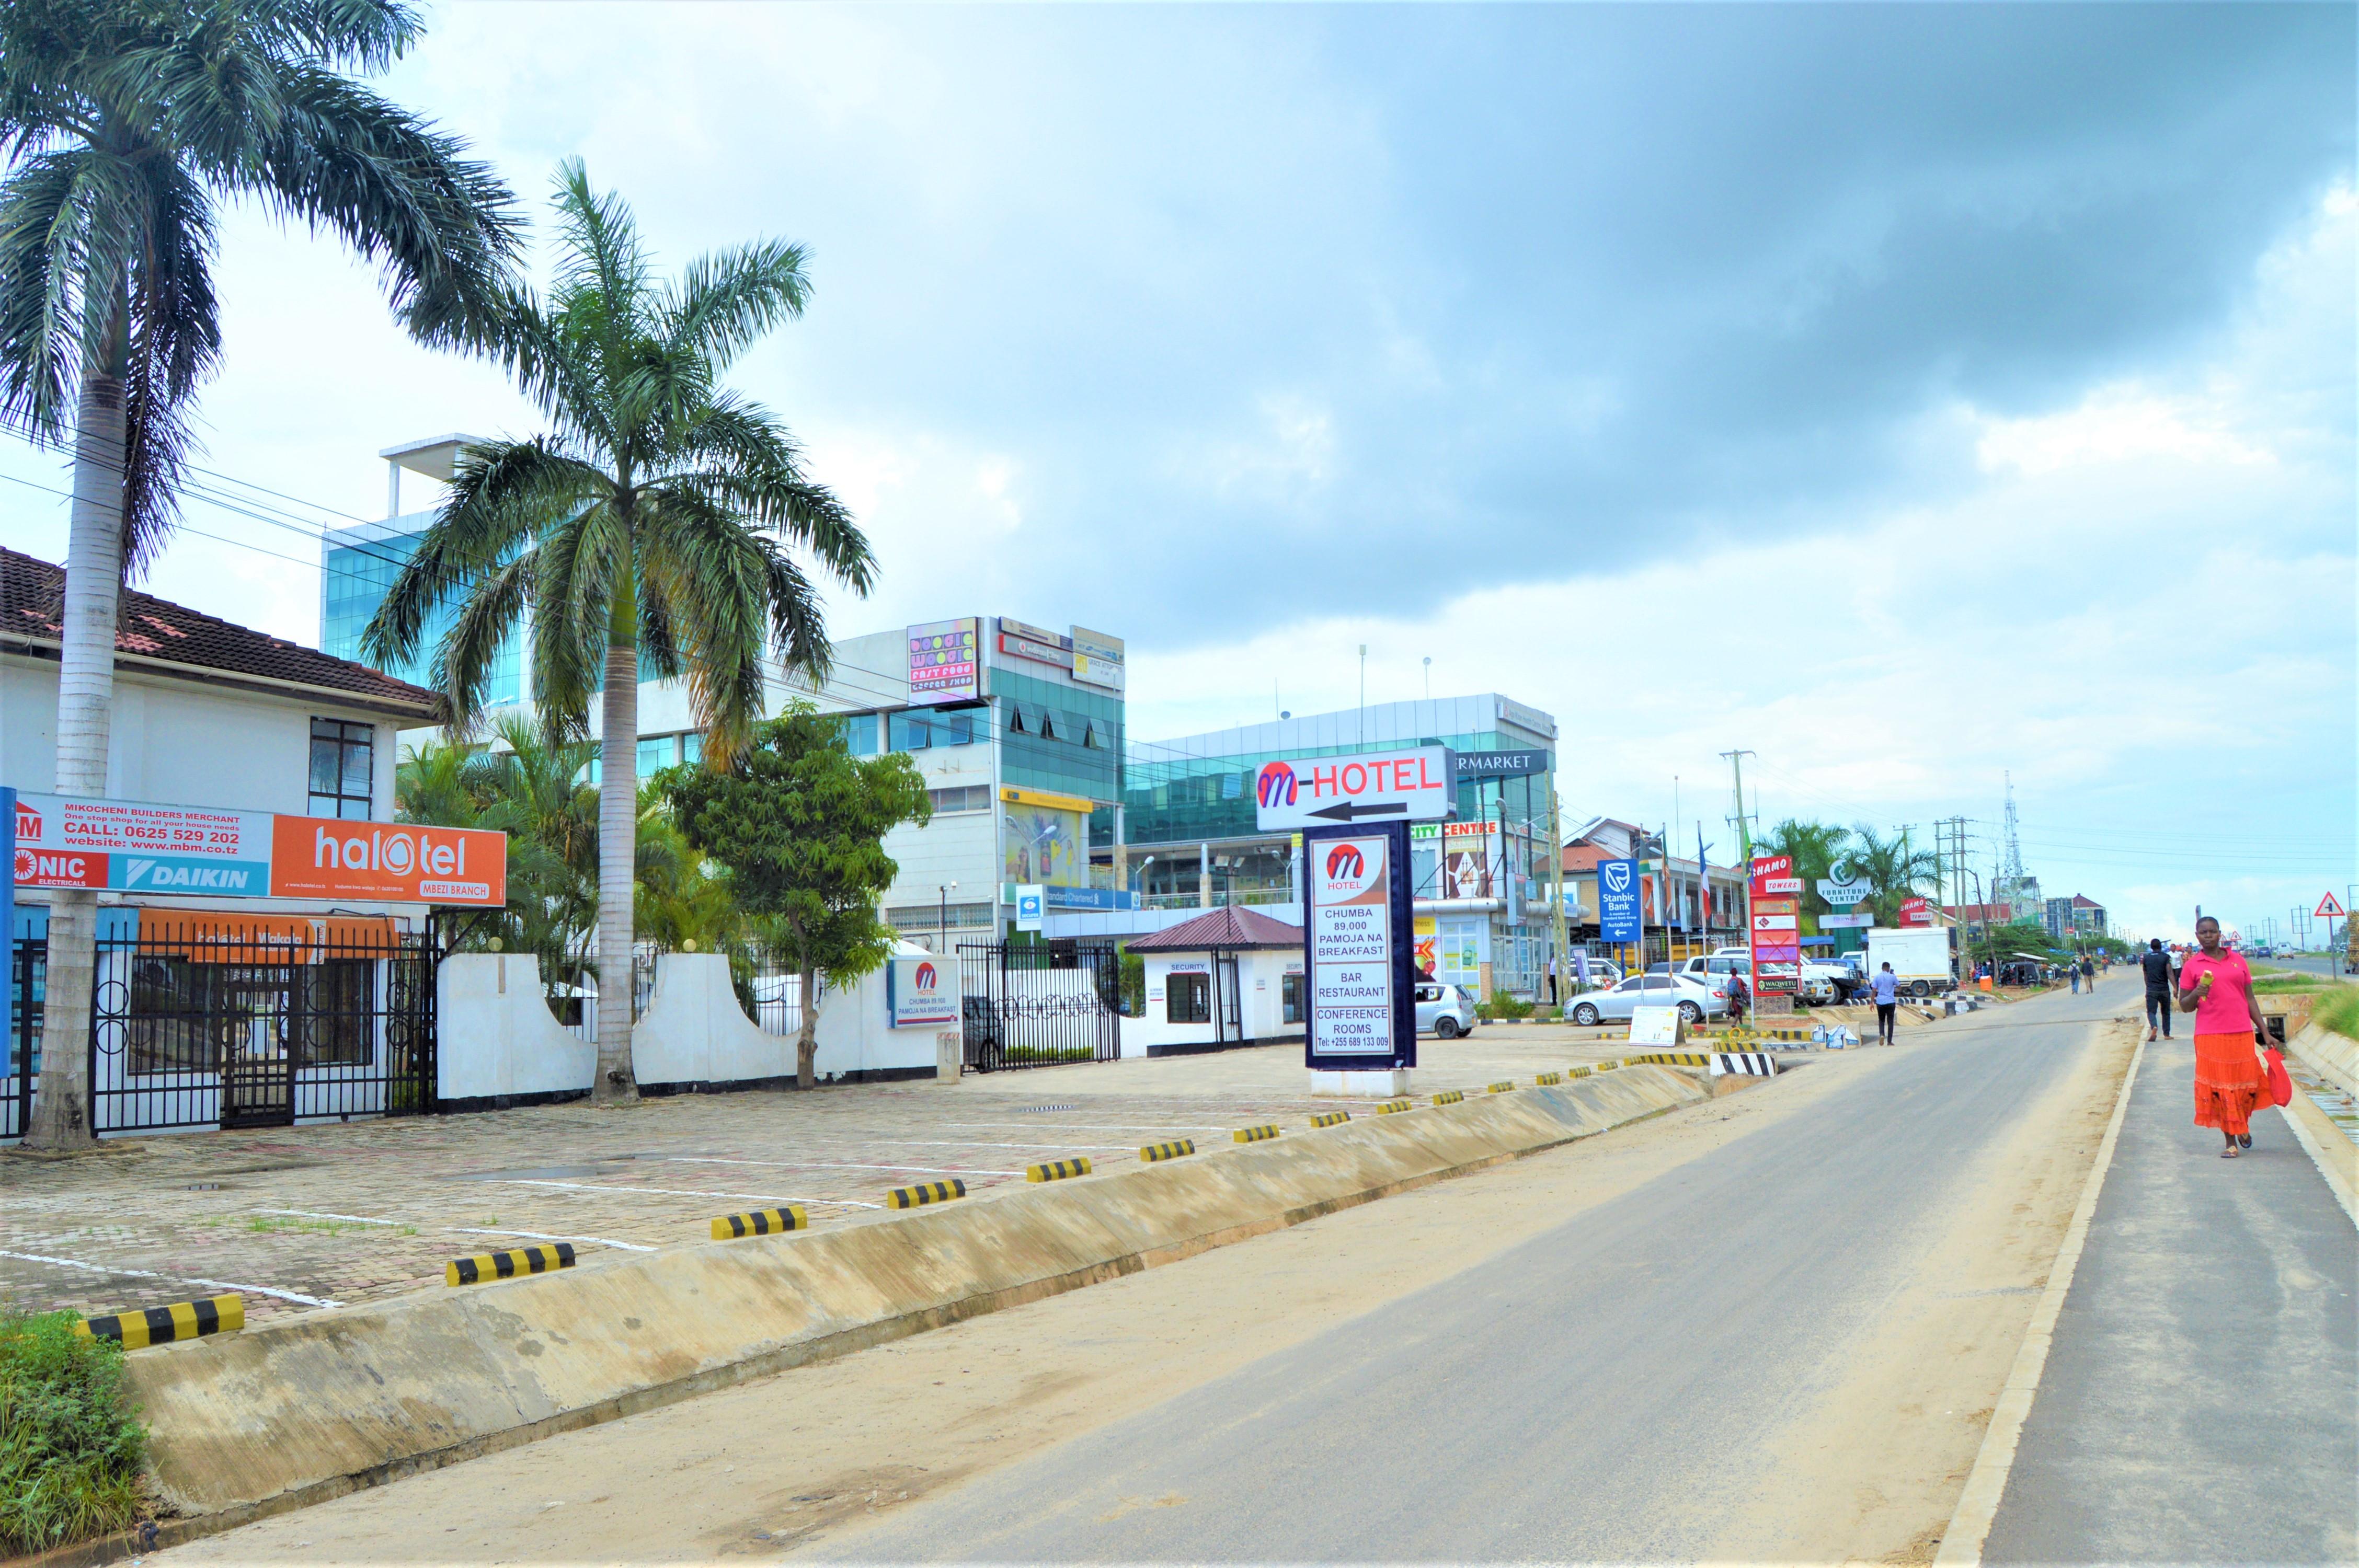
x=2340, y=1012
x=71, y=1454
x=1504, y=1005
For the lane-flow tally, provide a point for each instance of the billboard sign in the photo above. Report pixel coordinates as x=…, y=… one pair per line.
x=946, y=661
x=1776, y=942
x=1772, y=868
x=1619, y=916
x=1031, y=902
x=917, y=993
x=134, y=846
x=1845, y=922
x=1500, y=764
x=1844, y=893
x=1358, y=950
x=1916, y=911
x=1413, y=785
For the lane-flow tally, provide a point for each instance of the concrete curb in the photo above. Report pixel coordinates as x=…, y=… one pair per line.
x=309, y=1407
x=1977, y=1508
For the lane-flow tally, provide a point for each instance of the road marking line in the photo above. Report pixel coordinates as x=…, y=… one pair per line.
x=950, y=1143
x=678, y=1193
x=176, y=1279
x=1977, y=1509
x=461, y=1229
x=840, y=1165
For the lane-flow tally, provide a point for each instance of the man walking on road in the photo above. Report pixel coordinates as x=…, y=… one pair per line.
x=2156, y=963
x=1887, y=1004
x=2072, y=969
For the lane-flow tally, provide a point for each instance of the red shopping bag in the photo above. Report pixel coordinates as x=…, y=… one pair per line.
x=2280, y=1082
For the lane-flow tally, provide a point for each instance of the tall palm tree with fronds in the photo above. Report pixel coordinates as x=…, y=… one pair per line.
x=1895, y=869
x=652, y=526
x=1815, y=848
x=124, y=123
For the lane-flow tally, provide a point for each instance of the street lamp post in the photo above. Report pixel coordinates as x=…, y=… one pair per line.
x=942, y=928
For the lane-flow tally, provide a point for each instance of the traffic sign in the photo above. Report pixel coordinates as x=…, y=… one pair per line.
x=1414, y=785
x=2327, y=909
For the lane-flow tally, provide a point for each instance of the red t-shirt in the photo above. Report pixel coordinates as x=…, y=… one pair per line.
x=2224, y=1010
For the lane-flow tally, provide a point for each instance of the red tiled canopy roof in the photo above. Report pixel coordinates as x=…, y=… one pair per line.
x=1228, y=929
x=147, y=629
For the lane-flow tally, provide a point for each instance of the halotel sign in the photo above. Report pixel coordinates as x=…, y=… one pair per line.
x=133, y=845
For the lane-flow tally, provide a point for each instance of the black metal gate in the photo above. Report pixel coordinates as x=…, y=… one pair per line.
x=1038, y=1005
x=207, y=1021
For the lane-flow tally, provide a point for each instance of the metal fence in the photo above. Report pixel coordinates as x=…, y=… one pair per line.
x=1039, y=1005
x=204, y=1021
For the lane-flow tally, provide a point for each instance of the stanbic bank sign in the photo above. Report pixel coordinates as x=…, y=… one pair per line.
x=1415, y=785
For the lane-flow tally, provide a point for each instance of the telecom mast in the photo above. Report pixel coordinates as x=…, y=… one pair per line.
x=2011, y=872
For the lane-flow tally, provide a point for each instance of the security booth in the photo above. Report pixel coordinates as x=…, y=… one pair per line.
x=1231, y=976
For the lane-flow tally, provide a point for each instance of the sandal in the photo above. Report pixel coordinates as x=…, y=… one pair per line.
x=2229, y=1152
x=2244, y=1140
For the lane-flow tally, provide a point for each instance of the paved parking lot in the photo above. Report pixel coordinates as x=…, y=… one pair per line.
x=320, y=1216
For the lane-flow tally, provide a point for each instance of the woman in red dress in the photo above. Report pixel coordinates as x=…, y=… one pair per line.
x=2216, y=986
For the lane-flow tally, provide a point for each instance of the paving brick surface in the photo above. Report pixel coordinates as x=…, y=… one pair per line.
x=306, y=1219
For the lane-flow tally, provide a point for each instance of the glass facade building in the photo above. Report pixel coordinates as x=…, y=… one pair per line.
x=357, y=569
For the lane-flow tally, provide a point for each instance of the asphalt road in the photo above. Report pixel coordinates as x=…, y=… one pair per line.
x=2200, y=1401
x=1582, y=1396
x=2308, y=963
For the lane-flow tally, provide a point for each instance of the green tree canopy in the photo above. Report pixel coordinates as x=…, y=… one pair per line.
x=799, y=825
x=1816, y=848
x=1897, y=869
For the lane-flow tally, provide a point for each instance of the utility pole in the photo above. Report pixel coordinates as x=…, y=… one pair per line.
x=1556, y=860
x=1744, y=838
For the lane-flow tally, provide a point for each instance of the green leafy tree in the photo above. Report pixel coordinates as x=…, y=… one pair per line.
x=799, y=824
x=125, y=124
x=1896, y=869
x=651, y=527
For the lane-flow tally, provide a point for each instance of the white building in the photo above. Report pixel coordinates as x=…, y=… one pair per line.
x=1231, y=976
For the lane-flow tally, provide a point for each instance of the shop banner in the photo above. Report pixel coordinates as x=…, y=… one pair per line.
x=134, y=846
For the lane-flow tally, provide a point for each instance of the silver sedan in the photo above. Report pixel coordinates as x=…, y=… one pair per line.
x=1696, y=1001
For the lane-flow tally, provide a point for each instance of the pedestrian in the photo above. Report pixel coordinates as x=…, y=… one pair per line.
x=1737, y=998
x=2156, y=963
x=1887, y=1005
x=2074, y=970
x=2089, y=972
x=2216, y=986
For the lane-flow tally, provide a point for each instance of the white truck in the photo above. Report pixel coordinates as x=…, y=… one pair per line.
x=1919, y=956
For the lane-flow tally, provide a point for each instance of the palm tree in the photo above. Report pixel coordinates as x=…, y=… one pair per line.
x=1894, y=868
x=1815, y=848
x=124, y=123
x=649, y=529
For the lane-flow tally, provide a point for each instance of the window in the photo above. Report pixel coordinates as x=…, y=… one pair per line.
x=911, y=732
x=971, y=797
x=1016, y=725
x=655, y=755
x=1048, y=725
x=691, y=747
x=332, y=1027
x=1188, y=999
x=1090, y=741
x=1232, y=785
x=860, y=734
x=960, y=727
x=180, y=1016
x=344, y=764
x=1289, y=1000
x=1424, y=993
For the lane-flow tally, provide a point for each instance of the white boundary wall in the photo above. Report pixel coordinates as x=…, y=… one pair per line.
x=495, y=1036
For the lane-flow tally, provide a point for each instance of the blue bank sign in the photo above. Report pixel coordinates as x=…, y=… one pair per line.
x=1619, y=918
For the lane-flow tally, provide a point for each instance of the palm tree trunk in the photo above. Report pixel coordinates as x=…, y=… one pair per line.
x=807, y=1038
x=618, y=818
x=61, y=1110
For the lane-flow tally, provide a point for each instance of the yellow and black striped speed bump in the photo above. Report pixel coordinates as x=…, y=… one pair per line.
x=535, y=1259
x=1450, y=1097
x=1395, y=1107
x=1503, y=1086
x=1057, y=1170
x=761, y=1222
x=1672, y=1058
x=1331, y=1119
x=1151, y=1153
x=1546, y=1080
x=925, y=1193
x=1606, y=1067
x=1255, y=1134
x=163, y=1325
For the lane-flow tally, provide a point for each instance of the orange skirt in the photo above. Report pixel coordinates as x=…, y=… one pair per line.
x=2229, y=1082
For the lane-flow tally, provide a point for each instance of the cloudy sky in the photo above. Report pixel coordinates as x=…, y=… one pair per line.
x=1910, y=395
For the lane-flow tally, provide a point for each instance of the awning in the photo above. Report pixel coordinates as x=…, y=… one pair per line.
x=210, y=937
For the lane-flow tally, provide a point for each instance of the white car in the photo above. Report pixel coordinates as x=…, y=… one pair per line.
x=1445, y=1009
x=1696, y=1001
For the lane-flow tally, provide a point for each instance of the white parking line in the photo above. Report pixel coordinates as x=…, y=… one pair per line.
x=176, y=1279
x=837, y=1165
x=676, y=1192
x=460, y=1229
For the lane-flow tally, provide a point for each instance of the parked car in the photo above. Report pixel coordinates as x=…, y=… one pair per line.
x=1696, y=1001
x=1602, y=972
x=1819, y=986
x=1445, y=1010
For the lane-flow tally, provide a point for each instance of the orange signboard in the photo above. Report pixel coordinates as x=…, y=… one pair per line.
x=322, y=856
